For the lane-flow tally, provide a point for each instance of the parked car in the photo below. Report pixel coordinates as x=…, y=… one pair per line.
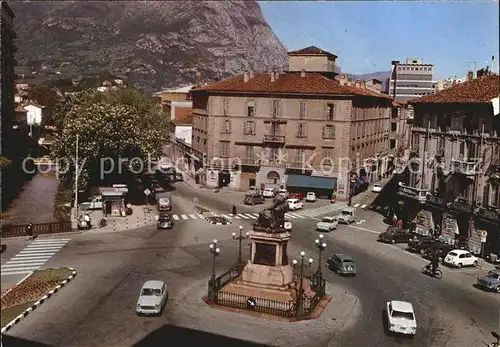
x=269, y=193
x=94, y=204
x=395, y=235
x=421, y=245
x=254, y=199
x=294, y=204
x=165, y=221
x=377, y=188
x=327, y=224
x=401, y=317
x=298, y=196
x=311, y=197
x=156, y=187
x=459, y=258
x=342, y=264
x=152, y=299
x=179, y=177
x=252, y=191
x=347, y=216
x=164, y=204
x=491, y=281
x=439, y=249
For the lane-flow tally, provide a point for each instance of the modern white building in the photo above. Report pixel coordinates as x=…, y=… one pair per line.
x=34, y=114
x=411, y=79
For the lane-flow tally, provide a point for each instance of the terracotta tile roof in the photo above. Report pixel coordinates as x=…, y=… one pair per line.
x=478, y=91
x=311, y=50
x=289, y=83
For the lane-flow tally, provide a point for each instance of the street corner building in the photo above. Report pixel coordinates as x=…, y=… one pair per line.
x=452, y=182
x=307, y=128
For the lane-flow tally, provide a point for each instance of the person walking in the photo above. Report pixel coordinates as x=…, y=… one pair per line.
x=234, y=210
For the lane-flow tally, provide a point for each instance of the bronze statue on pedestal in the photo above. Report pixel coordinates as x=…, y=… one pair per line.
x=273, y=218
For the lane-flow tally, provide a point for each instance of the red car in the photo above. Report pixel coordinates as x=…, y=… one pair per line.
x=299, y=196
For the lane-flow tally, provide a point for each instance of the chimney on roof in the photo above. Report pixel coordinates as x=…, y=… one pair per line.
x=343, y=80
x=303, y=73
x=245, y=77
x=273, y=77
x=470, y=75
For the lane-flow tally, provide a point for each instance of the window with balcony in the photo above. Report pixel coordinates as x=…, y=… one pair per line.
x=327, y=160
x=251, y=108
x=249, y=128
x=276, y=109
x=394, y=126
x=225, y=107
x=392, y=143
x=301, y=130
x=224, y=150
x=456, y=123
x=302, y=110
x=226, y=127
x=249, y=153
x=330, y=112
x=300, y=156
x=328, y=132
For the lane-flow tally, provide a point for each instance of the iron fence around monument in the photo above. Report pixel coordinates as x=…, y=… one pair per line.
x=274, y=307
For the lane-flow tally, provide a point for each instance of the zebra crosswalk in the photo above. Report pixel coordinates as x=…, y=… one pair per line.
x=33, y=256
x=241, y=216
x=366, y=206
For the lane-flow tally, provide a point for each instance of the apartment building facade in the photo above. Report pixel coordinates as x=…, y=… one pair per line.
x=454, y=187
x=411, y=79
x=303, y=129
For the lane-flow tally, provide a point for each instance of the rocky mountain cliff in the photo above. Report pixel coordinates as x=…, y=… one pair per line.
x=153, y=43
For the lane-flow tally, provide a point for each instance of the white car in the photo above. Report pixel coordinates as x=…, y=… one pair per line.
x=377, y=188
x=269, y=193
x=401, y=318
x=311, y=197
x=327, y=224
x=294, y=204
x=94, y=204
x=347, y=216
x=152, y=299
x=459, y=258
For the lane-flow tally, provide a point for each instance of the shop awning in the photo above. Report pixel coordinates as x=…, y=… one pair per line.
x=313, y=182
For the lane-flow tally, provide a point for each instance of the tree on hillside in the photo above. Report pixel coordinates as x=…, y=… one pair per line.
x=124, y=124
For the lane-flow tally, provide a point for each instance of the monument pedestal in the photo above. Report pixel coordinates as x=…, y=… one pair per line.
x=267, y=275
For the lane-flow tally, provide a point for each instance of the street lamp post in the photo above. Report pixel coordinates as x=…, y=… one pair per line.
x=240, y=238
x=300, y=296
x=212, y=287
x=318, y=277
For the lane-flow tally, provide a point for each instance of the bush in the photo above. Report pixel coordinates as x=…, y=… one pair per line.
x=62, y=202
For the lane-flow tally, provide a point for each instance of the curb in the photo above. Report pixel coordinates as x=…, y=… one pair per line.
x=39, y=302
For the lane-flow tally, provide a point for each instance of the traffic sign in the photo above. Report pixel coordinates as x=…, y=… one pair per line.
x=147, y=191
x=483, y=239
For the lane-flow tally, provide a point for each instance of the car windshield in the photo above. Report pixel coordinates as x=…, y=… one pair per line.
x=326, y=220
x=150, y=292
x=453, y=254
x=402, y=315
x=492, y=274
x=345, y=213
x=310, y=194
x=347, y=261
x=164, y=201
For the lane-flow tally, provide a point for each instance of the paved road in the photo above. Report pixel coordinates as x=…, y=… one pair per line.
x=97, y=309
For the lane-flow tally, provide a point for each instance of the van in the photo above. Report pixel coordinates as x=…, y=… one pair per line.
x=347, y=215
x=94, y=204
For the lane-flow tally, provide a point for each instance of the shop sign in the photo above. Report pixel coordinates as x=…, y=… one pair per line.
x=462, y=206
x=488, y=215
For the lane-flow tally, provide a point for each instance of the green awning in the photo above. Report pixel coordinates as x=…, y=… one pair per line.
x=303, y=181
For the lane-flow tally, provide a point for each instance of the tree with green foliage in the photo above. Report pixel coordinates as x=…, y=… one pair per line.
x=122, y=124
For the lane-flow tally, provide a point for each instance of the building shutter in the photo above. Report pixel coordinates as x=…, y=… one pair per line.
x=323, y=132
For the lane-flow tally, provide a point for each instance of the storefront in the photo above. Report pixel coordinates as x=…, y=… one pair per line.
x=114, y=203
x=489, y=220
x=323, y=187
x=462, y=211
x=438, y=207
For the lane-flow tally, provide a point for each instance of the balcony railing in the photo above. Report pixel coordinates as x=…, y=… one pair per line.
x=413, y=193
x=464, y=167
x=250, y=162
x=274, y=138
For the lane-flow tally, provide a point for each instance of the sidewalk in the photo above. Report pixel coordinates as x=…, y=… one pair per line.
x=141, y=216
x=225, y=195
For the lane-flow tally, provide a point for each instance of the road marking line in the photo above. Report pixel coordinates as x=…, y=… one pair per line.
x=288, y=215
x=236, y=217
x=32, y=257
x=364, y=229
x=200, y=216
x=29, y=254
x=363, y=206
x=356, y=205
x=20, y=268
x=176, y=217
x=13, y=273
x=183, y=216
x=44, y=247
x=192, y=216
x=226, y=216
x=40, y=261
x=243, y=216
x=50, y=240
x=43, y=244
x=250, y=215
x=255, y=214
x=296, y=215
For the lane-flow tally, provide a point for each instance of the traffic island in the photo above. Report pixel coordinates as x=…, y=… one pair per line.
x=19, y=301
x=217, y=220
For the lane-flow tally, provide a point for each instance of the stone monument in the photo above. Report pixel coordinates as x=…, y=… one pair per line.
x=268, y=274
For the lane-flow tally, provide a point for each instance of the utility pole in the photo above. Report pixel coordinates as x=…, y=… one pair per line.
x=76, y=177
x=474, y=64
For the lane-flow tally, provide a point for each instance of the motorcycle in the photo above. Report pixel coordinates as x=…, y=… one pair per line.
x=102, y=223
x=437, y=273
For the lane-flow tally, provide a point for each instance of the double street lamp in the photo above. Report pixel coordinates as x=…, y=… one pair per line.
x=352, y=185
x=321, y=246
x=240, y=238
x=300, y=296
x=213, y=288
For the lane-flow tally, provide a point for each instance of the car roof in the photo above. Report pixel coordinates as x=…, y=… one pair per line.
x=401, y=306
x=293, y=199
x=459, y=251
x=329, y=217
x=153, y=284
x=343, y=256
x=311, y=193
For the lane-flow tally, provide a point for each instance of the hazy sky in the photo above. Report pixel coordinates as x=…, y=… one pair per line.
x=367, y=35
